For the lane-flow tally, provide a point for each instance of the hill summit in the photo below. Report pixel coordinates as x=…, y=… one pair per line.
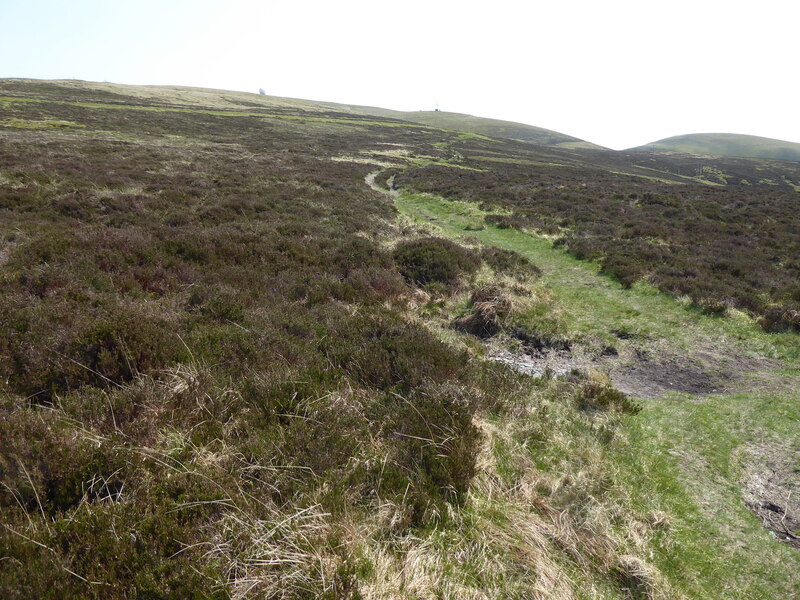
x=726, y=144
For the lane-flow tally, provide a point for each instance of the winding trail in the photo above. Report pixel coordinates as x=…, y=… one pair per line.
x=660, y=346
x=720, y=397
x=370, y=181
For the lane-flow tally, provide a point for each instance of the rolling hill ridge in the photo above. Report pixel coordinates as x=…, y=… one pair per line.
x=709, y=144
x=725, y=144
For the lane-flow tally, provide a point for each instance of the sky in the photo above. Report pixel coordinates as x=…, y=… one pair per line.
x=619, y=73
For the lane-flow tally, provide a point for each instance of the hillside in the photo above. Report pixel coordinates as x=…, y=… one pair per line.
x=489, y=127
x=257, y=347
x=230, y=100
x=726, y=144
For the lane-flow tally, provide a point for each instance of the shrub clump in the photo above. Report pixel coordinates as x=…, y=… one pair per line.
x=490, y=307
x=712, y=306
x=508, y=262
x=780, y=318
x=505, y=221
x=596, y=393
x=434, y=260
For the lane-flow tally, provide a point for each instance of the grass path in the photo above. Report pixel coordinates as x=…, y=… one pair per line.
x=597, y=304
x=688, y=456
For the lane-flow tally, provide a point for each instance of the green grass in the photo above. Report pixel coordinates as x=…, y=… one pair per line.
x=727, y=144
x=688, y=455
x=43, y=124
x=596, y=304
x=685, y=454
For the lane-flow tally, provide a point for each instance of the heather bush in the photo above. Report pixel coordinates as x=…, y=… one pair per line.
x=508, y=262
x=781, y=318
x=434, y=260
x=53, y=347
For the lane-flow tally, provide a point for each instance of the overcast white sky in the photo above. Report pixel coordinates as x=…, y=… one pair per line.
x=618, y=73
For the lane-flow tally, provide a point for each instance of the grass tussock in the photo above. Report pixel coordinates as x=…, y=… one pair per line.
x=490, y=308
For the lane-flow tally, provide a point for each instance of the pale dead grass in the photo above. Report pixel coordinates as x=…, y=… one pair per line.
x=282, y=556
x=536, y=534
x=511, y=541
x=129, y=190
x=366, y=160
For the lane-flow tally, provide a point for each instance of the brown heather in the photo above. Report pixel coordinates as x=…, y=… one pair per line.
x=216, y=382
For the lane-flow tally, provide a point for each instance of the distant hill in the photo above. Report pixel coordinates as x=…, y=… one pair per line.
x=488, y=127
x=726, y=144
x=223, y=99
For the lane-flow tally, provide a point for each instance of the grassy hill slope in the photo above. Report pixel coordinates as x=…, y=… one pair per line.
x=490, y=127
x=231, y=100
x=692, y=451
x=264, y=347
x=726, y=144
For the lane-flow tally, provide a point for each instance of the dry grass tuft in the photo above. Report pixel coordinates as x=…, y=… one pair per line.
x=639, y=579
x=282, y=556
x=490, y=308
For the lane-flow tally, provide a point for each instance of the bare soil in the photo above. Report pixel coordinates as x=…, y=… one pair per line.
x=643, y=373
x=537, y=364
x=653, y=377
x=772, y=489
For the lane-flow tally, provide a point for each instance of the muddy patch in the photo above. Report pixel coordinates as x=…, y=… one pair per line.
x=647, y=377
x=772, y=490
x=633, y=372
x=538, y=364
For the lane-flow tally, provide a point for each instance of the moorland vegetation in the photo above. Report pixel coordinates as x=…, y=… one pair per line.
x=231, y=369
x=722, y=247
